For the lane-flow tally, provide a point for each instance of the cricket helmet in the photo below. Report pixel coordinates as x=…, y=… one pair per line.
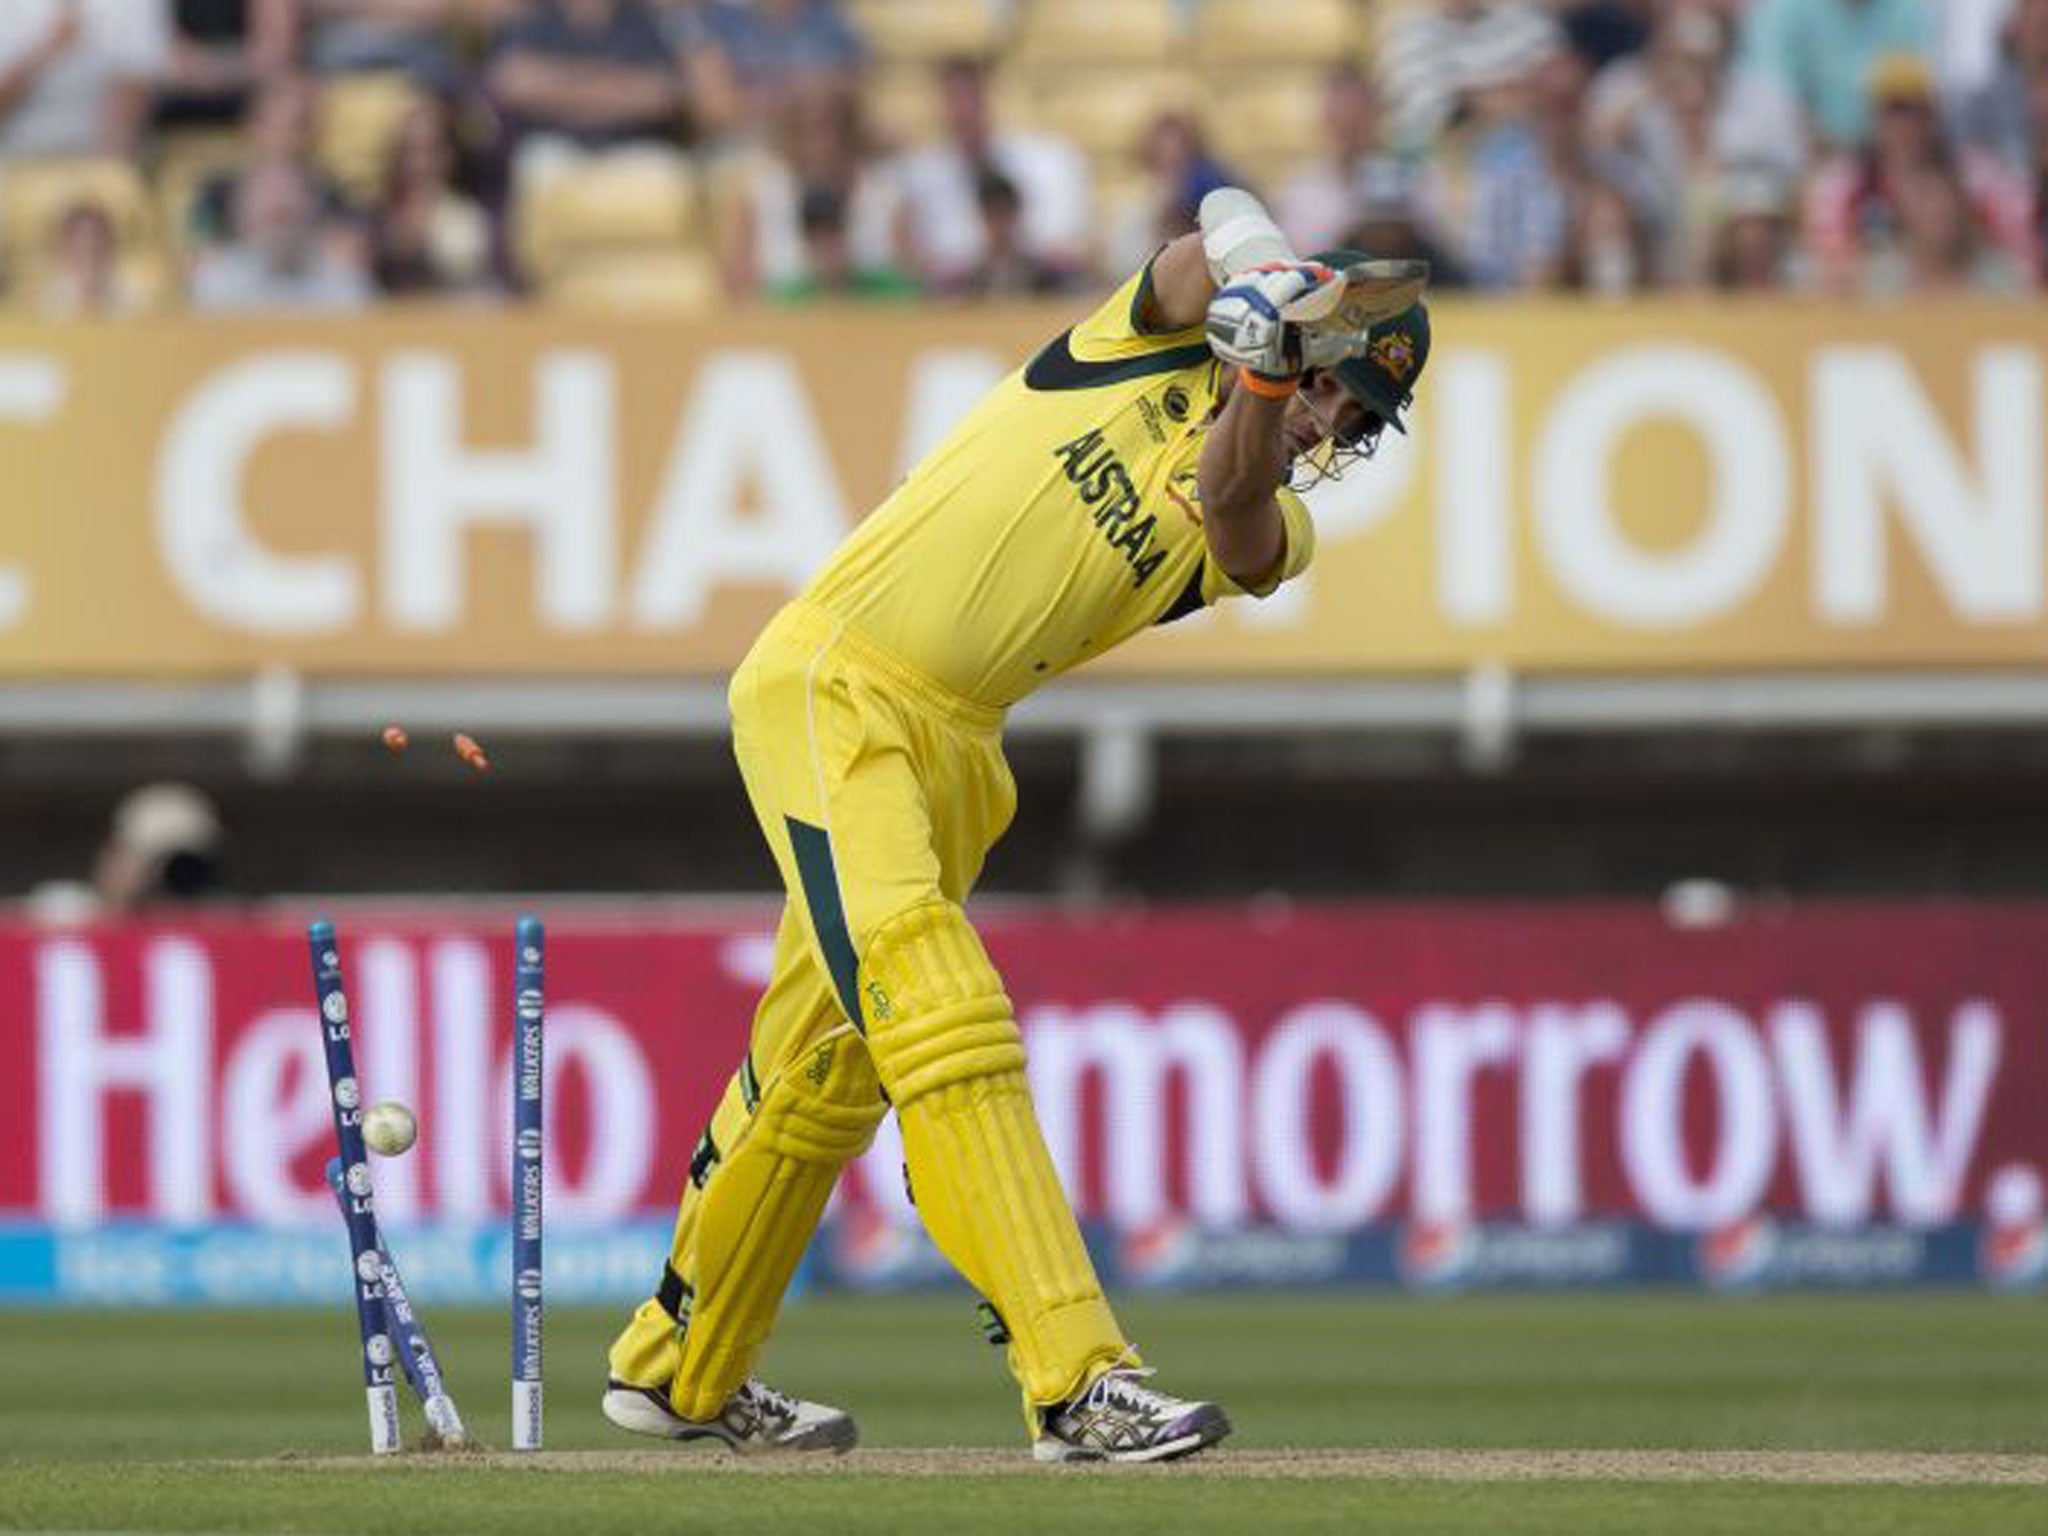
x=1383, y=379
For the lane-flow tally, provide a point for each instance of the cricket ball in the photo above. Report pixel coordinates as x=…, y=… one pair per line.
x=389, y=1129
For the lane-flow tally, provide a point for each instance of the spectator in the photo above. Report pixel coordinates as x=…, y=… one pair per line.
x=1179, y=172
x=282, y=130
x=1998, y=118
x=1524, y=172
x=75, y=74
x=1009, y=269
x=278, y=260
x=1658, y=120
x=824, y=194
x=586, y=75
x=426, y=235
x=2037, y=174
x=413, y=36
x=746, y=58
x=1938, y=243
x=1321, y=200
x=830, y=269
x=948, y=235
x=1602, y=31
x=1752, y=248
x=1393, y=219
x=1609, y=252
x=165, y=846
x=84, y=276
x=1972, y=32
x=1856, y=203
x=1429, y=53
x=222, y=51
x=1821, y=53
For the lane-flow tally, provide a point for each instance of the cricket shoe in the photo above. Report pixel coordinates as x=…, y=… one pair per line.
x=1119, y=1418
x=755, y=1418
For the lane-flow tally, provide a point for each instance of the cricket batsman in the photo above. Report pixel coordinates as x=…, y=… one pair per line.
x=1141, y=467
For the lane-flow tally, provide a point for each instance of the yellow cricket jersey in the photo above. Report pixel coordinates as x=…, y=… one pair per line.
x=1058, y=520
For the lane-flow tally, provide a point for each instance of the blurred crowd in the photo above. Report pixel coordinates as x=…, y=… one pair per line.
x=320, y=155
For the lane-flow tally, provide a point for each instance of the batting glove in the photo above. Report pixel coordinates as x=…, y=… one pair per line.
x=1253, y=320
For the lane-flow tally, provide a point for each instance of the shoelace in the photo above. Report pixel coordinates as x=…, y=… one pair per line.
x=1123, y=1389
x=769, y=1402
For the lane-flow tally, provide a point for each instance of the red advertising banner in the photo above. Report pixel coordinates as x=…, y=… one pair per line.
x=1312, y=1068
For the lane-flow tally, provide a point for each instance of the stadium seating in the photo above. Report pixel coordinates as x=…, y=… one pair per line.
x=186, y=161
x=616, y=229
x=634, y=281
x=1267, y=123
x=1105, y=111
x=1083, y=34
x=1281, y=31
x=1252, y=75
x=901, y=101
x=924, y=31
x=36, y=194
x=360, y=116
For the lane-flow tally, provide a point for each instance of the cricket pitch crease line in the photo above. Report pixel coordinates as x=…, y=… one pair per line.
x=1905, y=1468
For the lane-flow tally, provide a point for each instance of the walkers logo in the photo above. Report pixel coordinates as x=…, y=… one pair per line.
x=866, y=1249
x=1162, y=1254
x=1757, y=1252
x=2015, y=1257
x=1174, y=1253
x=2012, y=1245
x=1166, y=1254
x=1447, y=1255
x=1438, y=1255
x=1737, y=1256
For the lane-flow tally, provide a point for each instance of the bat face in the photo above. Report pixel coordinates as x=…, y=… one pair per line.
x=1376, y=291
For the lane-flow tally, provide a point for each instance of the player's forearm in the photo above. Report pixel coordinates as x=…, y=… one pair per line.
x=1181, y=286
x=1244, y=461
x=1236, y=233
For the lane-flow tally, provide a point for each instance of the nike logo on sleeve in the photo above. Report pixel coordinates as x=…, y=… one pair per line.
x=1056, y=367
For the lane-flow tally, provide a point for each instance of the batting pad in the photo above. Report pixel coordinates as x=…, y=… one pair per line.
x=942, y=1036
x=759, y=1180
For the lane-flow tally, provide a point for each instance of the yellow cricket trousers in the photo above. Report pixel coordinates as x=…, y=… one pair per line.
x=880, y=794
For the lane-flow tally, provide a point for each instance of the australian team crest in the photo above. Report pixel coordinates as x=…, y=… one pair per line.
x=1394, y=354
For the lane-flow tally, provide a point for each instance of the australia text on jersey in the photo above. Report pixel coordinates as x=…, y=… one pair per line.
x=1099, y=475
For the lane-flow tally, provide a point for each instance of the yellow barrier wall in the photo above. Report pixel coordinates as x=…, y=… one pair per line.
x=1587, y=488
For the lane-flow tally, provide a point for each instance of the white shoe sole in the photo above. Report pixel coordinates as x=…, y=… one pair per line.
x=638, y=1413
x=1048, y=1450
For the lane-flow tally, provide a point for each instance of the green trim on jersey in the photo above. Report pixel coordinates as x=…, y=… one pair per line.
x=1056, y=367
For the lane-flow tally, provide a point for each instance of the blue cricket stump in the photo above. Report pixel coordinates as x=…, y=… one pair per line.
x=528, y=1067
x=358, y=1206
x=415, y=1350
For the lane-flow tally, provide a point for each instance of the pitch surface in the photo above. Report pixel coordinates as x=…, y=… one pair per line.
x=1573, y=1414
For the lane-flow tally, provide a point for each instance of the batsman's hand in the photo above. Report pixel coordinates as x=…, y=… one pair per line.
x=1254, y=320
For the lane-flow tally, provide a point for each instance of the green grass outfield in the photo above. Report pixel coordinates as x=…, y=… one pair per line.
x=1887, y=1415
